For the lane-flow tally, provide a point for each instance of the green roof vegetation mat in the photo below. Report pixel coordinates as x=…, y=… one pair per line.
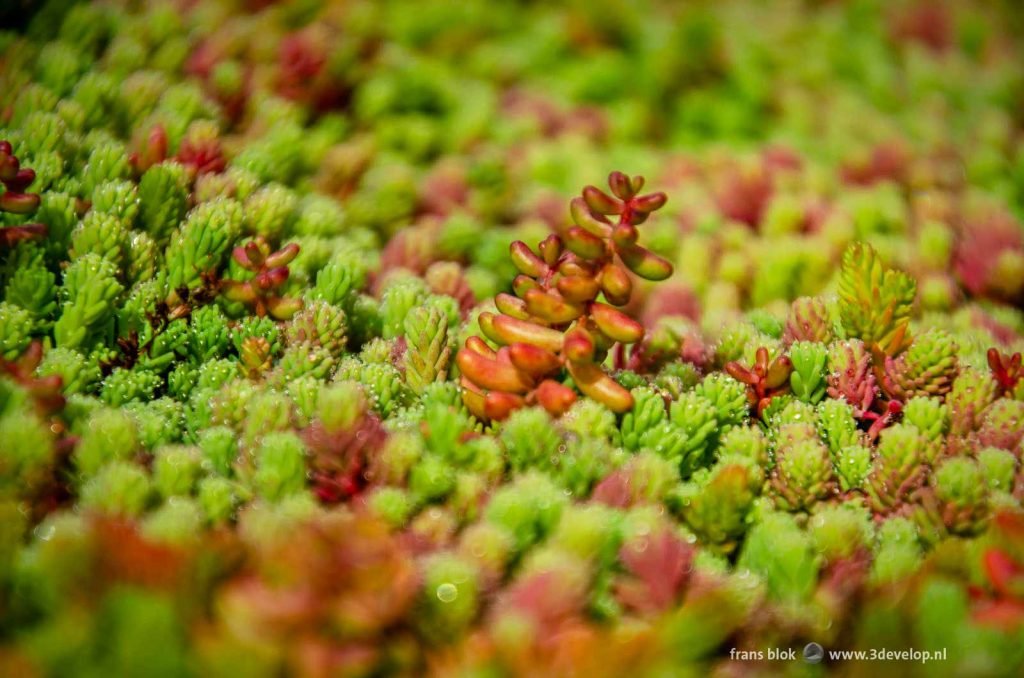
x=493, y=338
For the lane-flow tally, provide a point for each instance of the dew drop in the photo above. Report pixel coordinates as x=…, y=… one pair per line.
x=447, y=592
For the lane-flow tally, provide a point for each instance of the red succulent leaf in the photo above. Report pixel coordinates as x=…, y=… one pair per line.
x=9, y=164
x=881, y=420
x=447, y=278
x=927, y=23
x=740, y=373
x=1006, y=369
x=1002, y=604
x=887, y=161
x=546, y=598
x=1004, y=574
x=241, y=292
x=202, y=156
x=150, y=150
x=742, y=192
x=283, y=308
x=342, y=461
x=125, y=556
x=1011, y=524
x=270, y=274
x=272, y=279
x=413, y=248
x=302, y=69
x=45, y=391
x=671, y=299
x=983, y=241
x=780, y=159
x=777, y=374
x=659, y=566
x=12, y=235
x=14, y=199
x=614, y=490
x=1003, y=614
x=241, y=255
x=283, y=256
x=445, y=188
x=21, y=180
x=327, y=657
x=299, y=58
x=19, y=203
x=203, y=58
x=764, y=379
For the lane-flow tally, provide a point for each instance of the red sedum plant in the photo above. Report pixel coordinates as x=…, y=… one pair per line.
x=15, y=199
x=1006, y=369
x=765, y=379
x=45, y=391
x=563, y=315
x=270, y=273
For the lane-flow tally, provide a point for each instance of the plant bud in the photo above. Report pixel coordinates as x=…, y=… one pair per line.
x=533, y=360
x=283, y=256
x=512, y=306
x=523, y=283
x=601, y=202
x=474, y=399
x=551, y=308
x=616, y=284
x=498, y=405
x=616, y=324
x=526, y=261
x=283, y=308
x=554, y=397
x=578, y=288
x=504, y=330
x=492, y=374
x=620, y=185
x=779, y=372
x=551, y=249
x=578, y=345
x=479, y=346
x=625, y=235
x=645, y=263
x=584, y=244
x=594, y=383
x=650, y=202
x=586, y=220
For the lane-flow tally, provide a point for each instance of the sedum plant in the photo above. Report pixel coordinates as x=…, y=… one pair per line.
x=563, y=314
x=15, y=199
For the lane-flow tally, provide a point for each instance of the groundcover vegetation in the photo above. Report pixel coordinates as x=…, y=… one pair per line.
x=492, y=338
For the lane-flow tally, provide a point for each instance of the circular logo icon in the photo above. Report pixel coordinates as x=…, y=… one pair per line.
x=813, y=653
